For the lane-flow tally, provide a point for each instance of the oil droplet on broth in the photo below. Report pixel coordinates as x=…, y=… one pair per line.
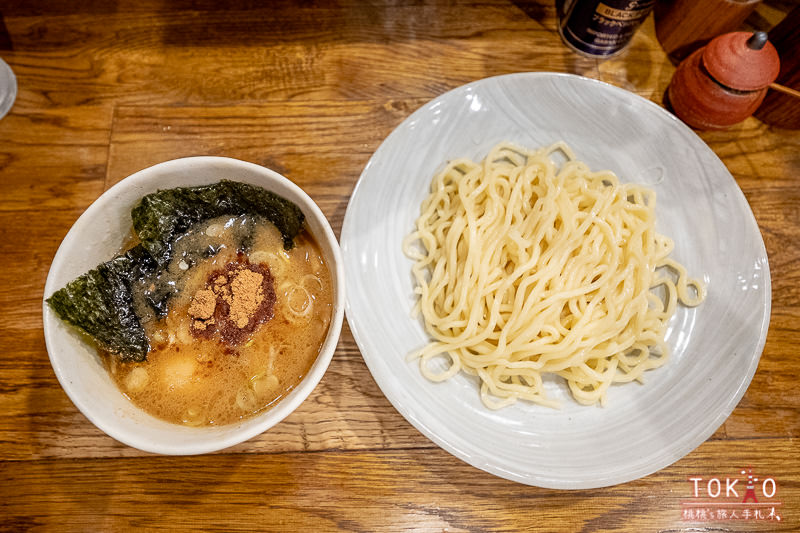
x=193, y=416
x=264, y=385
x=246, y=399
x=137, y=379
x=214, y=230
x=178, y=372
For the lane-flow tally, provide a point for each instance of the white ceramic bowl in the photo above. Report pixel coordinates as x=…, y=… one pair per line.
x=96, y=237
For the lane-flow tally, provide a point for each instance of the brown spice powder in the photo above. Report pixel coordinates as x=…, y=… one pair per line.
x=246, y=296
x=203, y=304
x=235, y=301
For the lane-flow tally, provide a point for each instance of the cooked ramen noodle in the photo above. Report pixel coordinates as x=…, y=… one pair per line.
x=526, y=268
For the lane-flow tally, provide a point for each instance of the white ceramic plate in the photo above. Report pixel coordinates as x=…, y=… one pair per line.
x=715, y=347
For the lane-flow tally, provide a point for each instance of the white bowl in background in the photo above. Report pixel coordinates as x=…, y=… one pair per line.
x=96, y=237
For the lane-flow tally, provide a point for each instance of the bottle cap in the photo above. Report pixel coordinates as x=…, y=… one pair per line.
x=742, y=60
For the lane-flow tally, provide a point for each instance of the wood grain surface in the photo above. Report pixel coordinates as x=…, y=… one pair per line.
x=310, y=89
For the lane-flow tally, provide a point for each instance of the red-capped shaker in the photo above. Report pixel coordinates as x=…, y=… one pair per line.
x=724, y=82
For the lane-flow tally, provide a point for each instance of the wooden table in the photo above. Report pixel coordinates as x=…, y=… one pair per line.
x=310, y=90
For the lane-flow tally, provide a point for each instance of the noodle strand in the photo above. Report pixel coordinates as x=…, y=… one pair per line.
x=524, y=268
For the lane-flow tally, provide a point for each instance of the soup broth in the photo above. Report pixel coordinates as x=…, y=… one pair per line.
x=235, y=323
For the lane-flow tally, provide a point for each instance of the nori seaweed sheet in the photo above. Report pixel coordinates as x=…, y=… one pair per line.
x=160, y=217
x=100, y=302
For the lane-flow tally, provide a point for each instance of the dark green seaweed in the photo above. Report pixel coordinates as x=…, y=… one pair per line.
x=160, y=217
x=100, y=304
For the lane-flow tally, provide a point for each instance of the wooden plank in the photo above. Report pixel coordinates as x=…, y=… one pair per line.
x=50, y=8
x=320, y=146
x=52, y=177
x=53, y=158
x=419, y=490
x=311, y=53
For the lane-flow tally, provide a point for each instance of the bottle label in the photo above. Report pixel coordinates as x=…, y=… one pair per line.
x=602, y=28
